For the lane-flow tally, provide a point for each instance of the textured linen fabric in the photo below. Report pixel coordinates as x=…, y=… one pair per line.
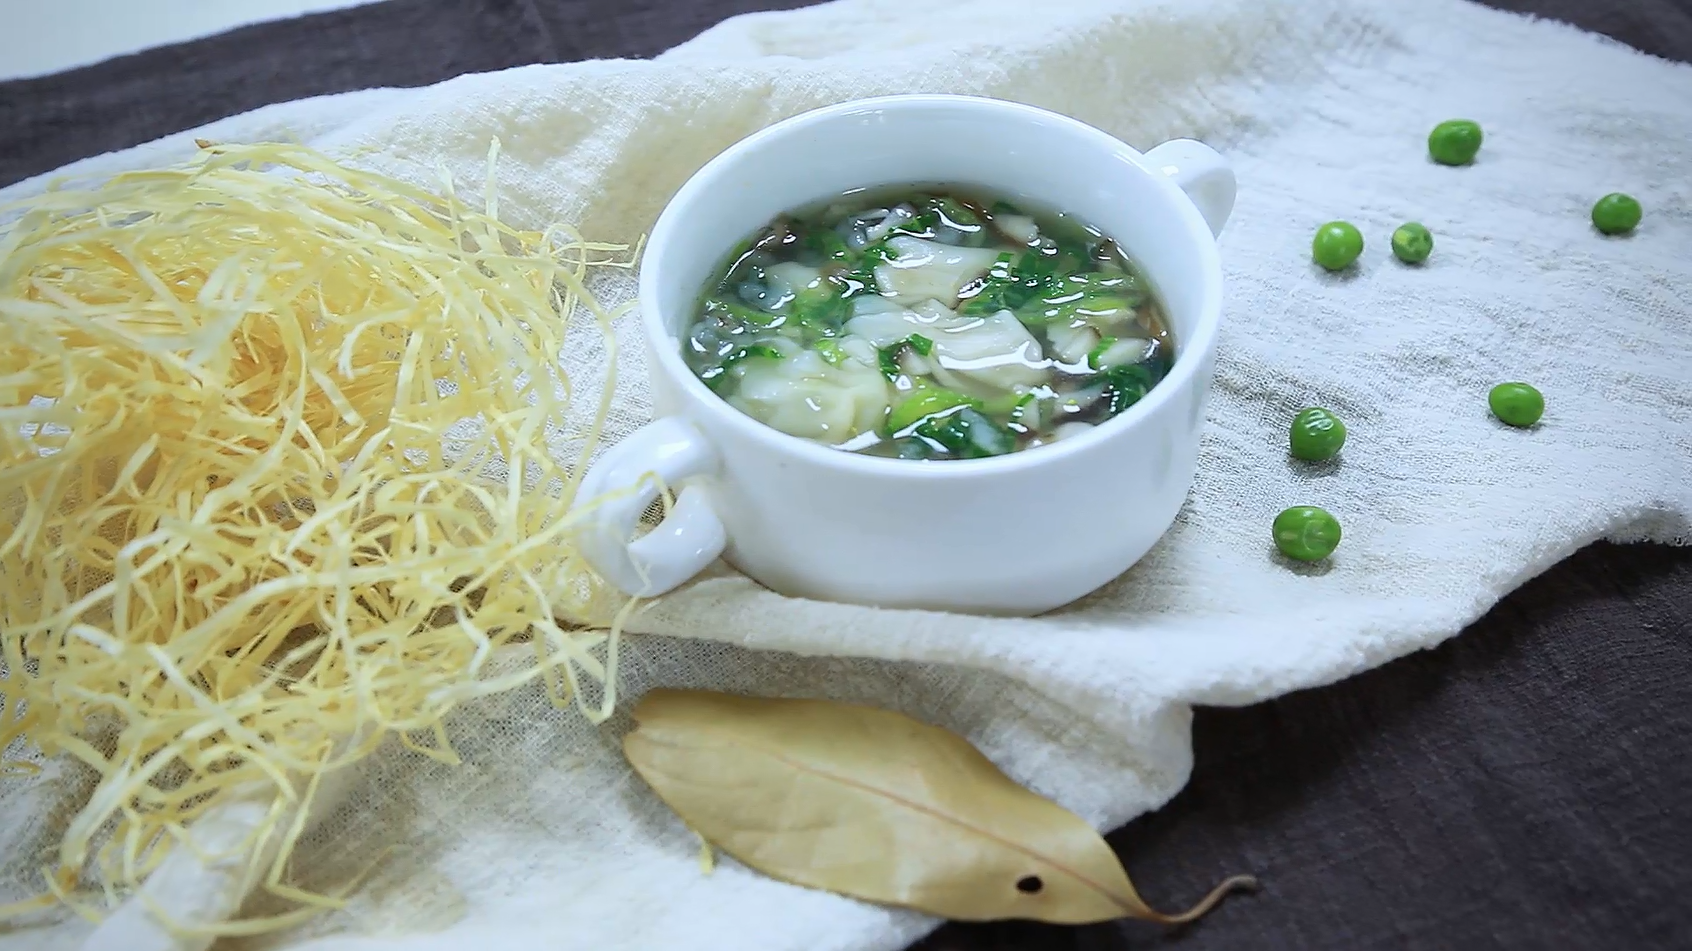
x=1444, y=510
x=1520, y=787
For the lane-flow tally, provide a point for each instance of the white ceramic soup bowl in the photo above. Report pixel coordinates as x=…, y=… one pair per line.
x=1014, y=534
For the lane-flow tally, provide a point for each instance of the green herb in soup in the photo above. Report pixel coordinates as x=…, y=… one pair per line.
x=929, y=323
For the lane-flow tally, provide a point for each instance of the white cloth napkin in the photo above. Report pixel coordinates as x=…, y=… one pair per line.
x=544, y=839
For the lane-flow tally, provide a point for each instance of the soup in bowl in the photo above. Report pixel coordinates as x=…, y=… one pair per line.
x=929, y=323
x=904, y=443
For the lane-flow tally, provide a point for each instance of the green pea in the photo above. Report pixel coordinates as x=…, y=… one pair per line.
x=1454, y=142
x=1616, y=213
x=1412, y=242
x=1516, y=403
x=1306, y=533
x=1336, y=245
x=1317, y=435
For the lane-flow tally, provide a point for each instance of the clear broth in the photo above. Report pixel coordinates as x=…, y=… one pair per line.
x=929, y=322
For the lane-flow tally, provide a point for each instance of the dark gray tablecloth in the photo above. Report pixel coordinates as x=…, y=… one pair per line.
x=1523, y=786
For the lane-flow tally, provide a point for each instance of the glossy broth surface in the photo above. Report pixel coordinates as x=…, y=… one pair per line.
x=929, y=323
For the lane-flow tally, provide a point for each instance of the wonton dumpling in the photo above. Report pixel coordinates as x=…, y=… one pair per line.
x=1019, y=227
x=793, y=277
x=804, y=396
x=995, y=351
x=861, y=349
x=922, y=269
x=884, y=322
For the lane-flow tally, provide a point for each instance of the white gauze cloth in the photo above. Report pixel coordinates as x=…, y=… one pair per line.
x=544, y=839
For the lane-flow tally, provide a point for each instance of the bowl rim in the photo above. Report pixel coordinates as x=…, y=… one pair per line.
x=1192, y=356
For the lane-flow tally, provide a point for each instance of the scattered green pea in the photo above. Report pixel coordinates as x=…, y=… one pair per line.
x=1306, y=533
x=1317, y=435
x=1616, y=213
x=1517, y=404
x=1454, y=142
x=1337, y=244
x=1412, y=242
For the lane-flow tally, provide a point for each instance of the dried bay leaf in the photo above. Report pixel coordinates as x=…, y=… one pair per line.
x=873, y=804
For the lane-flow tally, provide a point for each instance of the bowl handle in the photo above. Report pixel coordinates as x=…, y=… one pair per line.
x=1202, y=173
x=620, y=486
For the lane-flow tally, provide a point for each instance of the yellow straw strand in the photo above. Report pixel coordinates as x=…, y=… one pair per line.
x=274, y=480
